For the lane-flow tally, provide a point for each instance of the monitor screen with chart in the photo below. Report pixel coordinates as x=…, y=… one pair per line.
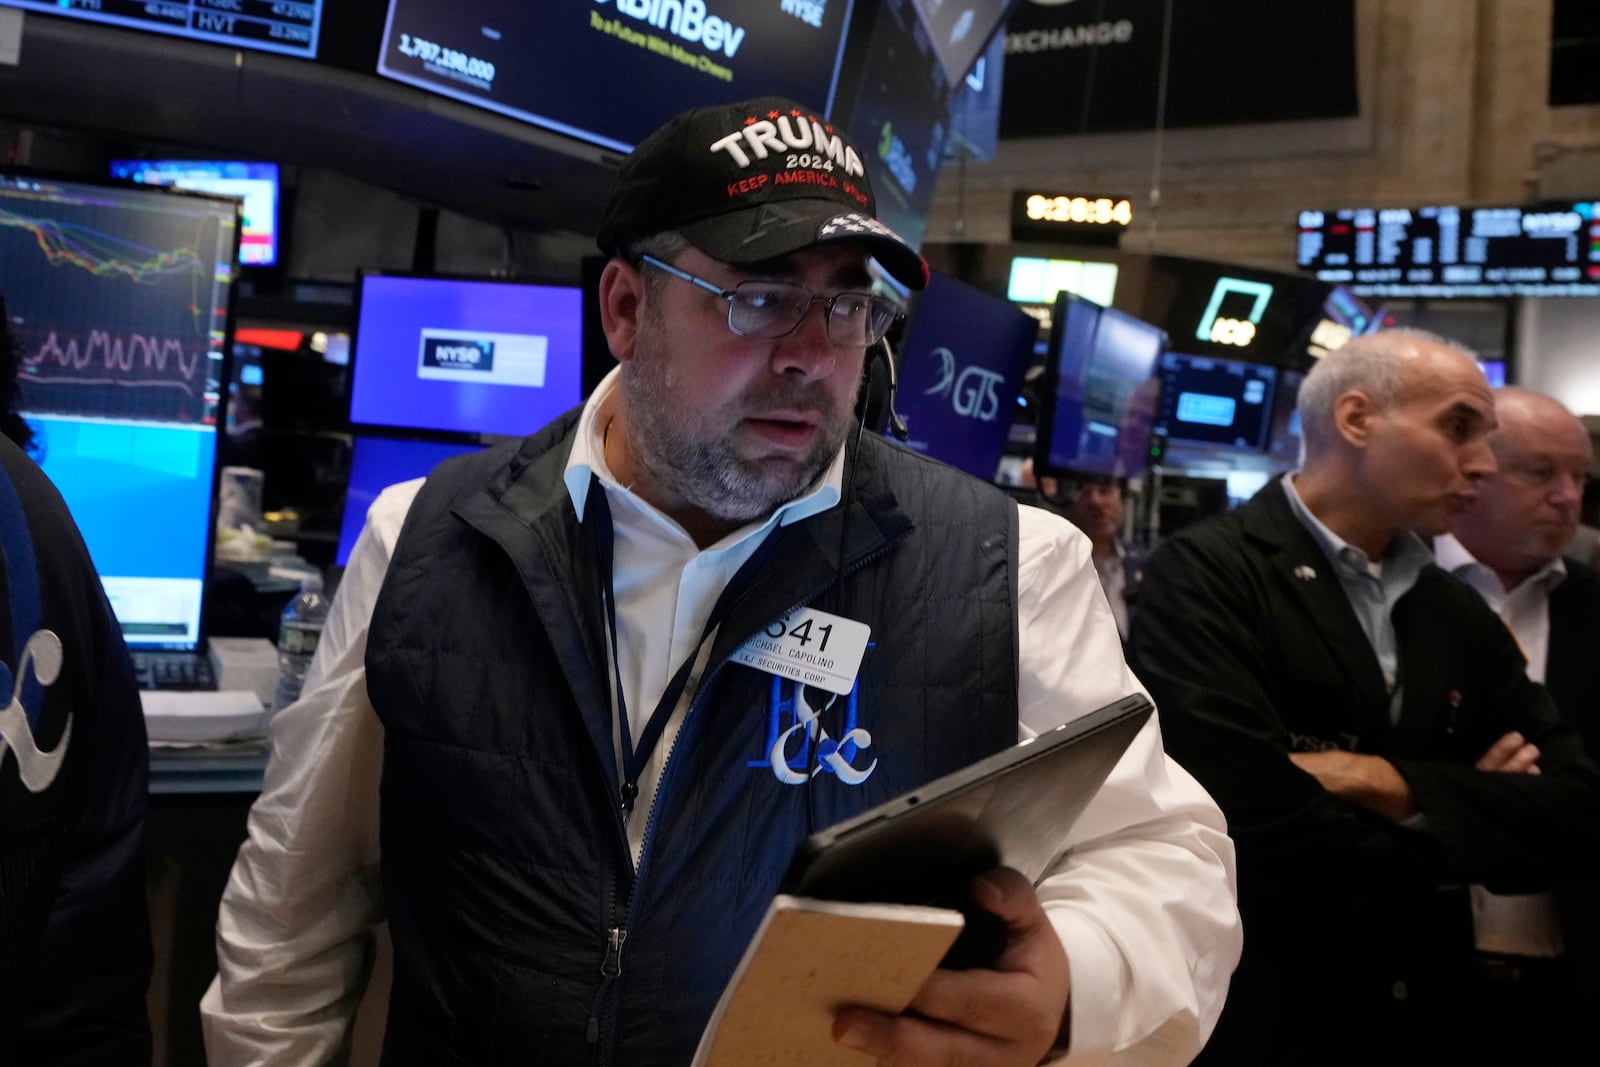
x=119, y=299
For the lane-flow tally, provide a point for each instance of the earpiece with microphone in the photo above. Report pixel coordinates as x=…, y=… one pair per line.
x=897, y=425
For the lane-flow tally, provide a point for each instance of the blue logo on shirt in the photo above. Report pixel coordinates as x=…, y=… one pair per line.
x=794, y=725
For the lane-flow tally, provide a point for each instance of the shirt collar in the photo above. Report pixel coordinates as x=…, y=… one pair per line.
x=588, y=460
x=1407, y=555
x=1118, y=554
x=1456, y=558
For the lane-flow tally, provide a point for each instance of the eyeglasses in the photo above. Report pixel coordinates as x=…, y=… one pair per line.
x=1545, y=476
x=771, y=310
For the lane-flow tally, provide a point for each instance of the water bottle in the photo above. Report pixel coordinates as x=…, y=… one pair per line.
x=297, y=639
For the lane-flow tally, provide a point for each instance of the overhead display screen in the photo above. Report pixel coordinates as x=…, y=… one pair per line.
x=287, y=26
x=901, y=111
x=960, y=29
x=1542, y=250
x=611, y=71
x=1232, y=312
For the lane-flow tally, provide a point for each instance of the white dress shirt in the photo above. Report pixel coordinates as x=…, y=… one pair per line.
x=1143, y=899
x=1113, y=571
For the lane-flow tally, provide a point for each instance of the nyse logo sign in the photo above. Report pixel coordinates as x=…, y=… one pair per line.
x=459, y=353
x=1232, y=330
x=807, y=11
x=483, y=358
x=973, y=393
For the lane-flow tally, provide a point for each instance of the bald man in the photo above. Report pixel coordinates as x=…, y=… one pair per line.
x=1362, y=718
x=1537, y=952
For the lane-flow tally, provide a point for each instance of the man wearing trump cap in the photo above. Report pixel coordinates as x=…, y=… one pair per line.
x=531, y=742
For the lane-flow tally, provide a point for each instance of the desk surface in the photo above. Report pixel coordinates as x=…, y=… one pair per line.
x=232, y=768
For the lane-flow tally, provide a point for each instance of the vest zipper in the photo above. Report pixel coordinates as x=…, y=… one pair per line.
x=609, y=969
x=705, y=686
x=618, y=935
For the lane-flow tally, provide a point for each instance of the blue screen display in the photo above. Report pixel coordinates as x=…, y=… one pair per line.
x=1100, y=392
x=1218, y=402
x=141, y=495
x=465, y=356
x=125, y=482
x=377, y=463
x=965, y=353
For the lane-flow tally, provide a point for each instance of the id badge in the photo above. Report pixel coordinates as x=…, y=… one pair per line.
x=811, y=647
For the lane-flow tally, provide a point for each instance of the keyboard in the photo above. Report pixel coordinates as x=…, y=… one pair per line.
x=173, y=670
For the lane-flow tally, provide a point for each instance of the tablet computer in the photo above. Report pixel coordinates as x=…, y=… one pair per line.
x=1013, y=809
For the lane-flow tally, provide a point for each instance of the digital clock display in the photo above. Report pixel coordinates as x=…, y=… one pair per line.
x=1101, y=211
x=1061, y=216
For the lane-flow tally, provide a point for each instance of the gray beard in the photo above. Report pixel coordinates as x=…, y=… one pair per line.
x=709, y=475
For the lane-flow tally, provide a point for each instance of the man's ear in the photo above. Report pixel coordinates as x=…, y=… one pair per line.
x=1353, y=415
x=621, y=301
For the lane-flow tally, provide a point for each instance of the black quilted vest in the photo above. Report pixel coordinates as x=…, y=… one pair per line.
x=505, y=861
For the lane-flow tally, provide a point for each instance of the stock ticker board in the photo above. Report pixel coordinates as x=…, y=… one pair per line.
x=1550, y=249
x=286, y=26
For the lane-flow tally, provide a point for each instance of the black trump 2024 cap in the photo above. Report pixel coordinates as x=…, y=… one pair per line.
x=750, y=182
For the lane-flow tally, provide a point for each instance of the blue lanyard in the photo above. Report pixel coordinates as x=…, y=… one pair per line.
x=597, y=518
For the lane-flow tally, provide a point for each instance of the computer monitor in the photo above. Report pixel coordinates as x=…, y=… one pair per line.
x=256, y=184
x=1099, y=396
x=1215, y=403
x=963, y=359
x=1283, y=440
x=377, y=463
x=464, y=355
x=120, y=302
x=1036, y=280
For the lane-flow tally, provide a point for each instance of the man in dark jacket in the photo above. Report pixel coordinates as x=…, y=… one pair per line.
x=75, y=950
x=1538, y=962
x=1363, y=719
